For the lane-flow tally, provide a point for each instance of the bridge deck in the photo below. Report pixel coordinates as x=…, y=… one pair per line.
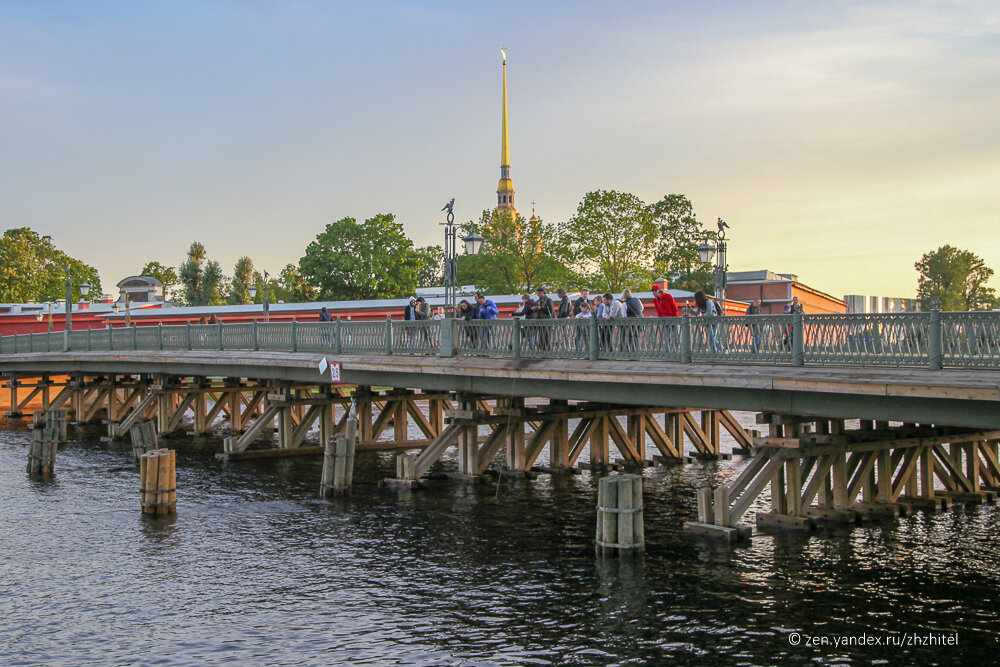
x=950, y=397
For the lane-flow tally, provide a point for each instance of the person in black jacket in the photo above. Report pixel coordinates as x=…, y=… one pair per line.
x=410, y=312
x=565, y=305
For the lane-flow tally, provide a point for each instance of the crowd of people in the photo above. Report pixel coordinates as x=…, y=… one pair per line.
x=604, y=306
x=541, y=307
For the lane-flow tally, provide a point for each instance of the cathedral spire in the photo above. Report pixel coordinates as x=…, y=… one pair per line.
x=505, y=189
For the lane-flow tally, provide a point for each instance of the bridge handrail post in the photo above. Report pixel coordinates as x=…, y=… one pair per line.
x=89, y=344
x=935, y=347
x=221, y=347
x=685, y=339
x=798, y=344
x=135, y=337
x=339, y=339
x=188, y=332
x=450, y=331
x=66, y=340
x=256, y=339
x=295, y=335
x=515, y=339
x=388, y=334
x=111, y=337
x=159, y=335
x=595, y=346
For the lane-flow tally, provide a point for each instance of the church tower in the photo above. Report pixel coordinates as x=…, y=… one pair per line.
x=505, y=188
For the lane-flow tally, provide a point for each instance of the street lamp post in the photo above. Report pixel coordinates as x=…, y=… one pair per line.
x=473, y=242
x=267, y=296
x=706, y=252
x=69, y=301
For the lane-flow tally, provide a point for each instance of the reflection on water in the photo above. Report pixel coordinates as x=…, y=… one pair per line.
x=255, y=569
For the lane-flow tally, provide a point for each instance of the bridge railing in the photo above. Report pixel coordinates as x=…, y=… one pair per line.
x=494, y=338
x=754, y=338
x=896, y=339
x=934, y=340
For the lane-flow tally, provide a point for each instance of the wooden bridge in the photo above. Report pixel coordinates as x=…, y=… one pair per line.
x=925, y=388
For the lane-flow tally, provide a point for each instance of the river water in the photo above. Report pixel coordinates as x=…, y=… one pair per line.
x=256, y=570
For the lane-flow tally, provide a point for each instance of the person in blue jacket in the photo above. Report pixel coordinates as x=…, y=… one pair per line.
x=487, y=311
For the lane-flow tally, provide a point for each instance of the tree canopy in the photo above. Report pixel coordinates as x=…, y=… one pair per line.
x=33, y=269
x=612, y=240
x=953, y=279
x=165, y=274
x=517, y=254
x=679, y=236
x=291, y=286
x=243, y=279
x=431, y=271
x=369, y=260
x=203, y=282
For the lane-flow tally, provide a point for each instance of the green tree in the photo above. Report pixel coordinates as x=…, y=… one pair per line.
x=431, y=271
x=213, y=285
x=369, y=260
x=679, y=236
x=517, y=254
x=203, y=282
x=190, y=274
x=291, y=287
x=243, y=278
x=954, y=279
x=165, y=274
x=612, y=239
x=33, y=269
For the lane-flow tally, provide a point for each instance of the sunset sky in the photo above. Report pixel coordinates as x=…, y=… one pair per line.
x=840, y=141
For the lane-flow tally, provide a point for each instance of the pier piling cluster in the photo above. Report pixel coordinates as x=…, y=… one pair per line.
x=158, y=482
x=620, y=528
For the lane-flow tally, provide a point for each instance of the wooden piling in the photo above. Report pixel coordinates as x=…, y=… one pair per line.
x=158, y=482
x=143, y=438
x=620, y=528
x=338, y=460
x=42, y=450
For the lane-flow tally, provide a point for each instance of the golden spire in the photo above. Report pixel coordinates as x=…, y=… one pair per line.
x=505, y=188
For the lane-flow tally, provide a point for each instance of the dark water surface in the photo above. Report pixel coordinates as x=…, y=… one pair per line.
x=255, y=569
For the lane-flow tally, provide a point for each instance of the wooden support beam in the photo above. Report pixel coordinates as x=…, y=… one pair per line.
x=537, y=442
x=433, y=452
x=622, y=441
x=740, y=505
x=579, y=439
x=599, y=435
x=736, y=430
x=905, y=474
x=661, y=440
x=698, y=438
x=862, y=475
x=240, y=444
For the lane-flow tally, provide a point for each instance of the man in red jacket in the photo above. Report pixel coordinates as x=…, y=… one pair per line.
x=665, y=304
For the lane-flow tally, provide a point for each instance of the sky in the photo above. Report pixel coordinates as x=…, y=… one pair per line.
x=840, y=141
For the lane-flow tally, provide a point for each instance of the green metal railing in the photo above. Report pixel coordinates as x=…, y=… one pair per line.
x=932, y=340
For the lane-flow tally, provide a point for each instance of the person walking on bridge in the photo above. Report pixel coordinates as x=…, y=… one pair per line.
x=487, y=311
x=709, y=308
x=666, y=307
x=584, y=298
x=544, y=310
